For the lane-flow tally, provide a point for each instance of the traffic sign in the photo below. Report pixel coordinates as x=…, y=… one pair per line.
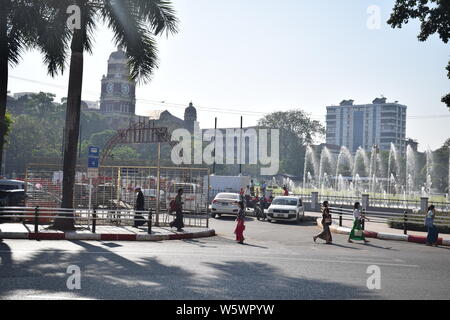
x=94, y=152
x=93, y=162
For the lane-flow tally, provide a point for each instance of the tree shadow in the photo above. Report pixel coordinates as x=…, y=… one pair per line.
x=134, y=276
x=201, y=244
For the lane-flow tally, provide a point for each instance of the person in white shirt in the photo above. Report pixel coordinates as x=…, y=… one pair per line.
x=357, y=233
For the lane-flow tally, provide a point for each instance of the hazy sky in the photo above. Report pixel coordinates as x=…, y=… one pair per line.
x=258, y=56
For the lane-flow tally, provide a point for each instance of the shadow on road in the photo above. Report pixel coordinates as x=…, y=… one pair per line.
x=109, y=275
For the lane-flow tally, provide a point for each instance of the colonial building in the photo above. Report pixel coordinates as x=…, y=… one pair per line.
x=166, y=119
x=118, y=90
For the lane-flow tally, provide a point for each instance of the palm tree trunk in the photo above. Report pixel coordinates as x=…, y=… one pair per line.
x=72, y=127
x=3, y=79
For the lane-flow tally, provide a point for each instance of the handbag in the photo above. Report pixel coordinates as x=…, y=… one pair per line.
x=358, y=233
x=328, y=221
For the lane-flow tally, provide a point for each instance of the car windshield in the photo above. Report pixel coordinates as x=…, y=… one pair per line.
x=227, y=196
x=285, y=202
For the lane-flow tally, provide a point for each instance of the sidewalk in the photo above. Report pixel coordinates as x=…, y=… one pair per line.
x=105, y=233
x=379, y=230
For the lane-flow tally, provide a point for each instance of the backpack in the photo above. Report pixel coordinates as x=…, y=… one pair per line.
x=173, y=206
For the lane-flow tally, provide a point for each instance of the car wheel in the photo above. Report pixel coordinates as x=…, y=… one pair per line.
x=269, y=220
x=213, y=215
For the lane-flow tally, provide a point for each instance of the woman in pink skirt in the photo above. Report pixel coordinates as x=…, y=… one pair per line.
x=240, y=223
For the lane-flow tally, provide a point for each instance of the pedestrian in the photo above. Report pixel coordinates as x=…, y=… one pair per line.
x=357, y=232
x=240, y=223
x=178, y=222
x=326, y=223
x=432, y=237
x=252, y=188
x=263, y=187
x=286, y=191
x=247, y=195
x=139, y=208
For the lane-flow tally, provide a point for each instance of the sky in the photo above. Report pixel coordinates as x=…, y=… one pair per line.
x=253, y=57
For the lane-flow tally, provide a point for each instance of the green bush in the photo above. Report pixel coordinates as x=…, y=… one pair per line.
x=415, y=226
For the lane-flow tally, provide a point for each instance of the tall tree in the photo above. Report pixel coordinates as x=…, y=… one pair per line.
x=434, y=16
x=134, y=24
x=17, y=30
x=297, y=130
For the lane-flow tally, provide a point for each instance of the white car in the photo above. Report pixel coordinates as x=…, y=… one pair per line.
x=225, y=203
x=286, y=209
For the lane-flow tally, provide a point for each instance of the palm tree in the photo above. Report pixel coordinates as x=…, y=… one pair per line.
x=17, y=31
x=134, y=24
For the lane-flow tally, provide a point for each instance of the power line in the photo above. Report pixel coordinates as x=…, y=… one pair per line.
x=239, y=111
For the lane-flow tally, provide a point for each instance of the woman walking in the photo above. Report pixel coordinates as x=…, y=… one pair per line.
x=240, y=226
x=326, y=223
x=357, y=232
x=432, y=237
x=178, y=222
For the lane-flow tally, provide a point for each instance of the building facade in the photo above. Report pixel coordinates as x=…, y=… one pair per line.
x=118, y=90
x=380, y=123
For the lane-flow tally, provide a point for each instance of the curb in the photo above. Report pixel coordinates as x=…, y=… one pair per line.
x=105, y=237
x=383, y=235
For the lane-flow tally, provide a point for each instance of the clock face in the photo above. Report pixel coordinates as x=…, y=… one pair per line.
x=109, y=88
x=125, y=89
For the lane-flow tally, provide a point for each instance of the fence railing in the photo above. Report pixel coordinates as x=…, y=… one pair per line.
x=98, y=217
x=407, y=218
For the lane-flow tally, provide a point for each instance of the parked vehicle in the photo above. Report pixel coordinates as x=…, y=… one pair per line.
x=11, y=198
x=286, y=209
x=150, y=198
x=194, y=200
x=225, y=203
x=6, y=184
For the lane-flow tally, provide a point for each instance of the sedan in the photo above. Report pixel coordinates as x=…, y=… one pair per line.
x=225, y=203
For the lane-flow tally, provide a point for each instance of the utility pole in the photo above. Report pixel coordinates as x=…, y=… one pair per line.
x=240, y=148
x=215, y=144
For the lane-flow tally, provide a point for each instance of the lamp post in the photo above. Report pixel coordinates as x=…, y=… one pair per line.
x=448, y=190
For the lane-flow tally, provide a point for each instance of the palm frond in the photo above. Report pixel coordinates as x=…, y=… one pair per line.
x=131, y=33
x=158, y=13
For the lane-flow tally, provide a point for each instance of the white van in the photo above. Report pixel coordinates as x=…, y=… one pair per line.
x=193, y=197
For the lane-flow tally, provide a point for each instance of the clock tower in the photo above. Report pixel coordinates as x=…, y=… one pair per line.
x=118, y=90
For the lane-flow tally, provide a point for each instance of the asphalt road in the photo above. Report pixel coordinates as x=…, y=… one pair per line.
x=279, y=261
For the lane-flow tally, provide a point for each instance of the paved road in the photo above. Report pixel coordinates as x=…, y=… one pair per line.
x=280, y=261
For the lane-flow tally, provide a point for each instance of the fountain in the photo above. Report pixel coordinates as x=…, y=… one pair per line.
x=310, y=165
x=326, y=164
x=382, y=174
x=410, y=170
x=344, y=155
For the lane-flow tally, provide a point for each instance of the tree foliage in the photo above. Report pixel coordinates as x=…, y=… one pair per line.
x=434, y=16
x=297, y=130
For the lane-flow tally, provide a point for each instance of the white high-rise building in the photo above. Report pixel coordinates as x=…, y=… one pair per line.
x=380, y=123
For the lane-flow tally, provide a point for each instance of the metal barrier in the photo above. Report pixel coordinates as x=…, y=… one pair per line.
x=407, y=218
x=95, y=217
x=114, y=188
